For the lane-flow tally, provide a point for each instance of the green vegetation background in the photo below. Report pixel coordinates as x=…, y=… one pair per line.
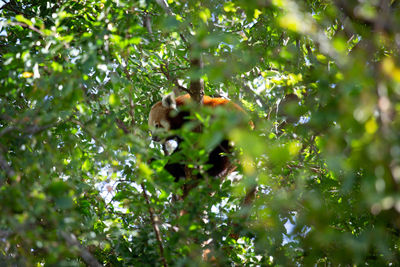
x=320, y=79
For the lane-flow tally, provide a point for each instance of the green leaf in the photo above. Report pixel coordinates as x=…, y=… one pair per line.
x=113, y=100
x=22, y=19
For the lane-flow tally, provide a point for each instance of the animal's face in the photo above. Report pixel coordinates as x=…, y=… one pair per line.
x=158, y=117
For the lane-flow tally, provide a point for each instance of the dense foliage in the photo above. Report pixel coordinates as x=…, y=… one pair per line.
x=81, y=182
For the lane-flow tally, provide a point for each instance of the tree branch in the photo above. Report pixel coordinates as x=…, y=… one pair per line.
x=86, y=256
x=383, y=21
x=7, y=130
x=196, y=89
x=166, y=71
x=9, y=6
x=147, y=24
x=122, y=126
x=165, y=7
x=33, y=129
x=155, y=222
x=5, y=233
x=256, y=96
x=26, y=26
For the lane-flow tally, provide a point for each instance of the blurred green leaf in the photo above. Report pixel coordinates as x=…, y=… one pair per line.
x=314, y=183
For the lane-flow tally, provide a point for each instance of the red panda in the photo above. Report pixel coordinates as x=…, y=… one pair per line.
x=162, y=116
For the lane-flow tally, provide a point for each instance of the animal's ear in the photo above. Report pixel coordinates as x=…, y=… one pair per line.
x=168, y=101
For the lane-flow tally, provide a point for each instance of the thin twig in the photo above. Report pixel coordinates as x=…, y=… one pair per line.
x=122, y=126
x=250, y=91
x=132, y=109
x=26, y=26
x=91, y=134
x=165, y=70
x=166, y=8
x=155, y=222
x=173, y=70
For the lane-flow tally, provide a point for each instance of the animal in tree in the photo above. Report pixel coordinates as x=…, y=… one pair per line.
x=172, y=113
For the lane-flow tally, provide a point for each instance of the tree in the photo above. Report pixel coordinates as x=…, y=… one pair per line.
x=81, y=182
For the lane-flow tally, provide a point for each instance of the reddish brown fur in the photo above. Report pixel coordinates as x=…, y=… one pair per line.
x=207, y=101
x=162, y=117
x=211, y=102
x=159, y=113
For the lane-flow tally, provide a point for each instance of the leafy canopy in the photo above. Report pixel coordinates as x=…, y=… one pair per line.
x=81, y=182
